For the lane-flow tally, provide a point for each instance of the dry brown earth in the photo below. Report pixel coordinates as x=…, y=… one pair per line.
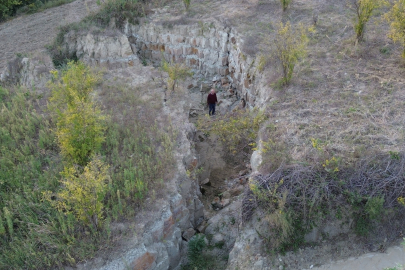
x=28, y=33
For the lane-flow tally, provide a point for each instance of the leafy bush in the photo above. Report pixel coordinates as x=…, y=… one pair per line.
x=9, y=8
x=374, y=207
x=364, y=10
x=83, y=193
x=79, y=122
x=396, y=17
x=289, y=47
x=177, y=72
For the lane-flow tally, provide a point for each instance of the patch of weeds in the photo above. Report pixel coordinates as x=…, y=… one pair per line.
x=394, y=155
x=219, y=245
x=21, y=55
x=237, y=130
x=365, y=212
x=297, y=237
x=398, y=267
x=385, y=50
x=197, y=257
x=351, y=110
x=362, y=225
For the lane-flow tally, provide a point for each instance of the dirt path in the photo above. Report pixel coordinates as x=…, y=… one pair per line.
x=394, y=256
x=30, y=33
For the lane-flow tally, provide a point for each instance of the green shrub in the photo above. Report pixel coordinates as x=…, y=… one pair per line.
x=237, y=130
x=79, y=122
x=83, y=192
x=195, y=255
x=7, y=7
x=177, y=72
x=289, y=47
x=374, y=207
x=364, y=10
x=396, y=18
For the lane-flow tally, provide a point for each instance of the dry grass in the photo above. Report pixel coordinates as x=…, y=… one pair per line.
x=349, y=96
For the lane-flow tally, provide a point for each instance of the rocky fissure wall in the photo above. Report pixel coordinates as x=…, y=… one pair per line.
x=210, y=49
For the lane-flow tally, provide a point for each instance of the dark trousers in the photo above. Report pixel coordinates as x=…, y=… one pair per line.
x=212, y=108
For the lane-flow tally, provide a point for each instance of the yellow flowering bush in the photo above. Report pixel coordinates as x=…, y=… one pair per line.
x=83, y=192
x=396, y=18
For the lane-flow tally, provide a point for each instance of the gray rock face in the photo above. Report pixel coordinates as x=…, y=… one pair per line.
x=215, y=53
x=111, y=51
x=31, y=72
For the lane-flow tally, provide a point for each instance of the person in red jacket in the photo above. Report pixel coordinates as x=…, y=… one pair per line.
x=211, y=101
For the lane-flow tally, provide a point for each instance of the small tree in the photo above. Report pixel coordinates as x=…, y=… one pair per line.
x=290, y=45
x=396, y=17
x=285, y=4
x=364, y=10
x=177, y=72
x=83, y=192
x=79, y=122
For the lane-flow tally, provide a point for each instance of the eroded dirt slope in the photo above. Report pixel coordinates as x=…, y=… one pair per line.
x=29, y=33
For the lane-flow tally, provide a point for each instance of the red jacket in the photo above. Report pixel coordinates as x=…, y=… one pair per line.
x=212, y=98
